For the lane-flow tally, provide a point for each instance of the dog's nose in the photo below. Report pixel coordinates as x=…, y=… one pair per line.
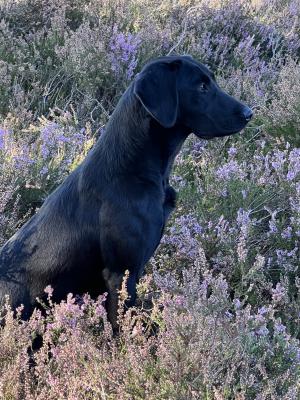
x=247, y=113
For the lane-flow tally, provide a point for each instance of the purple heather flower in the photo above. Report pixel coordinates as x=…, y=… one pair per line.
x=44, y=170
x=287, y=233
x=279, y=328
x=262, y=331
x=230, y=170
x=228, y=315
x=294, y=8
x=2, y=135
x=23, y=159
x=178, y=181
x=48, y=290
x=237, y=304
x=62, y=138
x=198, y=147
x=294, y=164
x=287, y=259
x=272, y=226
x=278, y=293
x=221, y=228
x=278, y=160
x=243, y=217
x=123, y=52
x=183, y=235
x=262, y=310
x=48, y=138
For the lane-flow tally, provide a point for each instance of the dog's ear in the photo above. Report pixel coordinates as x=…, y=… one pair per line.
x=156, y=89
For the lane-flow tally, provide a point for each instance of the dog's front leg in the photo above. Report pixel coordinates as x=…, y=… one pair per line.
x=113, y=281
x=129, y=237
x=169, y=202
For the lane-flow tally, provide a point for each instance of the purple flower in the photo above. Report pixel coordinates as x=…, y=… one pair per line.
x=262, y=310
x=123, y=52
x=230, y=170
x=232, y=151
x=183, y=235
x=278, y=293
x=279, y=328
x=287, y=233
x=2, y=136
x=23, y=159
x=273, y=227
x=262, y=331
x=48, y=290
x=44, y=170
x=221, y=229
x=278, y=160
x=294, y=164
x=243, y=217
x=286, y=259
x=293, y=8
x=178, y=181
x=48, y=138
x=237, y=304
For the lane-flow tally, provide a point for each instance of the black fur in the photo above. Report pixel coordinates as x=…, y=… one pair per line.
x=109, y=214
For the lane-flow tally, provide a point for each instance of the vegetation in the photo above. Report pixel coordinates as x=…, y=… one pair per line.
x=218, y=313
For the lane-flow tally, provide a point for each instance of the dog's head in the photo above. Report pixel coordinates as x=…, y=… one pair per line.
x=179, y=90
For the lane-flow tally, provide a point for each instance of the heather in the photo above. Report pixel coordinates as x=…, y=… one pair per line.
x=218, y=311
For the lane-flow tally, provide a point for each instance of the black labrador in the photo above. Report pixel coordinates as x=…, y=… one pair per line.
x=109, y=214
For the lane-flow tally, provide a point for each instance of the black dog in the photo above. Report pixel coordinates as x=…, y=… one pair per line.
x=109, y=214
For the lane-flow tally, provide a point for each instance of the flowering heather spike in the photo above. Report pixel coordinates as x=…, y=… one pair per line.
x=49, y=291
x=2, y=136
x=123, y=51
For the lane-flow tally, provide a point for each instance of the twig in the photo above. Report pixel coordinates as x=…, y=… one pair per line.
x=189, y=11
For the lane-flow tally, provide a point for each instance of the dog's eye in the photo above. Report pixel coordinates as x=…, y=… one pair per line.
x=203, y=87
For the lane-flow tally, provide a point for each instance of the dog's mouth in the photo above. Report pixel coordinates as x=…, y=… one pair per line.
x=221, y=133
x=205, y=137
x=215, y=135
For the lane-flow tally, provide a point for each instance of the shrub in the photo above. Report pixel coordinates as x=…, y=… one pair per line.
x=282, y=114
x=218, y=310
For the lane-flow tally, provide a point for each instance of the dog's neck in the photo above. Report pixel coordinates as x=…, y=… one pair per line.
x=134, y=143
